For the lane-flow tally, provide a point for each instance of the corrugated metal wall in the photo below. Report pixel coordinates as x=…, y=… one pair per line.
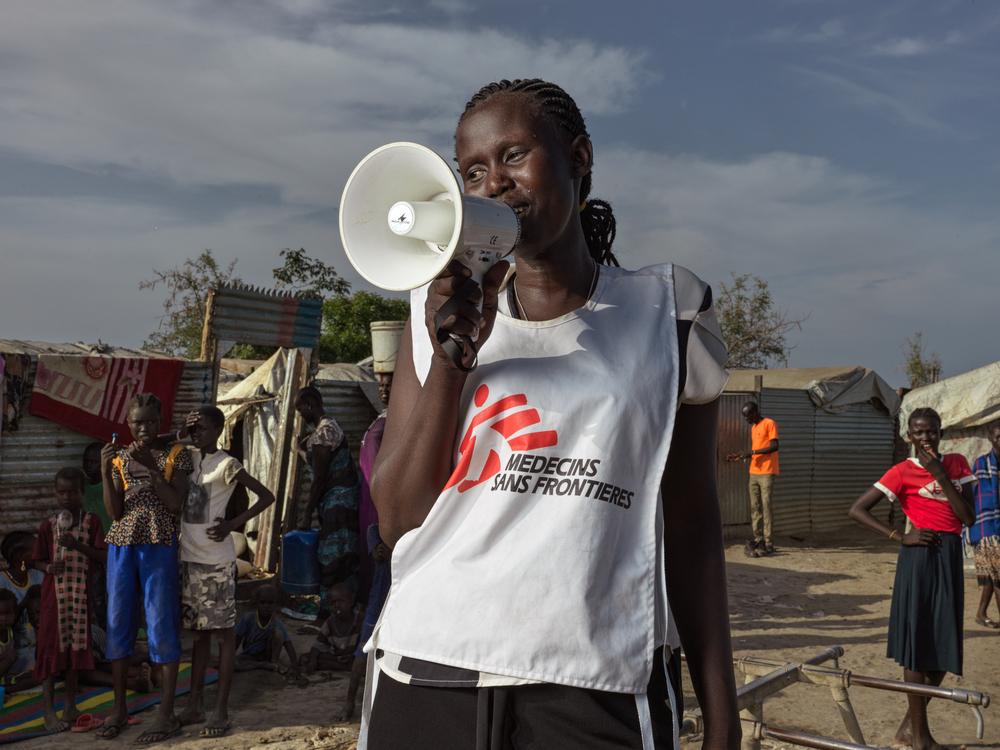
x=792, y=495
x=731, y=477
x=853, y=449
x=266, y=317
x=30, y=457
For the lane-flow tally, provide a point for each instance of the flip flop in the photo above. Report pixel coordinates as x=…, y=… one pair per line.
x=986, y=622
x=214, y=732
x=155, y=736
x=109, y=730
x=85, y=723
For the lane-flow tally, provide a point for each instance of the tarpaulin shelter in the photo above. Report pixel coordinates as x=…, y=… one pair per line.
x=262, y=428
x=836, y=435
x=33, y=449
x=968, y=403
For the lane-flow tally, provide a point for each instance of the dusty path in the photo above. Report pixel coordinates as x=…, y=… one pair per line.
x=789, y=606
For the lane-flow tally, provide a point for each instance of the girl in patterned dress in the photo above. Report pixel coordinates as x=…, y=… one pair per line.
x=67, y=546
x=144, y=491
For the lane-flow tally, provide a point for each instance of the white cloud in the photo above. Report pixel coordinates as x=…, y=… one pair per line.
x=157, y=88
x=838, y=246
x=909, y=46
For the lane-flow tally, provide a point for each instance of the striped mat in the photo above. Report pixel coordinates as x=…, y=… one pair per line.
x=22, y=716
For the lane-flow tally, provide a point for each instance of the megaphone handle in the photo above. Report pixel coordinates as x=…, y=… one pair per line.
x=478, y=261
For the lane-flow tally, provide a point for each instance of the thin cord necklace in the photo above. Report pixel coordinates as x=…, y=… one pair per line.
x=521, y=315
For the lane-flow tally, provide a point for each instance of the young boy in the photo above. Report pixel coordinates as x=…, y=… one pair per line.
x=338, y=637
x=66, y=546
x=262, y=636
x=208, y=561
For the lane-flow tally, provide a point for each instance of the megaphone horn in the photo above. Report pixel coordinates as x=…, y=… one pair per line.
x=403, y=219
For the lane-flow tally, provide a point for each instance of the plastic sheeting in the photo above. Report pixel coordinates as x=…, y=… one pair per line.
x=858, y=386
x=968, y=404
x=265, y=402
x=830, y=388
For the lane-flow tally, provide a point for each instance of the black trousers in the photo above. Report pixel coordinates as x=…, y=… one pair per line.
x=523, y=717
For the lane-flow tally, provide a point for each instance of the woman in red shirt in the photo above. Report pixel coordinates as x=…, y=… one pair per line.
x=925, y=621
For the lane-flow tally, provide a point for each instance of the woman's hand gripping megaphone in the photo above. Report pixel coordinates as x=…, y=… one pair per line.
x=457, y=324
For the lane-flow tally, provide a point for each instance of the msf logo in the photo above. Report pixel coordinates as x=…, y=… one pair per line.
x=506, y=417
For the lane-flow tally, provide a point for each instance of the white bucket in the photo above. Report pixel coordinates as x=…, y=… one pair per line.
x=385, y=344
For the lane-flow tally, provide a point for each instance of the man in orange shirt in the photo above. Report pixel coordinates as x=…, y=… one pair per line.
x=763, y=457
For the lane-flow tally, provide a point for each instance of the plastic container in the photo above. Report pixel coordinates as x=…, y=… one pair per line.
x=385, y=344
x=299, y=564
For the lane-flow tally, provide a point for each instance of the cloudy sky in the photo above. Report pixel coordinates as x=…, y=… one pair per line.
x=846, y=151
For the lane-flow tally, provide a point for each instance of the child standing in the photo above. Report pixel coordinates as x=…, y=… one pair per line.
x=66, y=546
x=208, y=561
x=144, y=491
x=984, y=534
x=925, y=620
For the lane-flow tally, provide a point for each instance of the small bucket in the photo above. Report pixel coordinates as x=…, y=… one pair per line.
x=385, y=344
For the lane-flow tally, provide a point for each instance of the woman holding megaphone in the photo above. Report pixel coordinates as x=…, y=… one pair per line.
x=550, y=492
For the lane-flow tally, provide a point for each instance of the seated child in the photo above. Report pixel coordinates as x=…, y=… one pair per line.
x=261, y=636
x=25, y=636
x=338, y=637
x=142, y=676
x=64, y=551
x=8, y=648
x=17, y=575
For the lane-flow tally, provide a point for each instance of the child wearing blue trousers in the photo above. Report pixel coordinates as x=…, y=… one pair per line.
x=144, y=491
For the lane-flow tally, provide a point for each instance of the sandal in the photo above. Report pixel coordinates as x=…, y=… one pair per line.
x=154, y=736
x=986, y=622
x=85, y=723
x=109, y=730
x=214, y=732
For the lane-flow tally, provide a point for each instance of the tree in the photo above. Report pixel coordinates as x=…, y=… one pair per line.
x=304, y=275
x=179, y=332
x=920, y=367
x=346, y=336
x=752, y=327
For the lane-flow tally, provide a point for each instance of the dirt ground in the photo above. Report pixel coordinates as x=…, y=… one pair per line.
x=787, y=607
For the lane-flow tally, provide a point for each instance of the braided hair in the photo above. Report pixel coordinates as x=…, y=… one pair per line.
x=142, y=400
x=596, y=216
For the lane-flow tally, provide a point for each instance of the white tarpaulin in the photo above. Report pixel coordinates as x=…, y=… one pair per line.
x=264, y=401
x=967, y=403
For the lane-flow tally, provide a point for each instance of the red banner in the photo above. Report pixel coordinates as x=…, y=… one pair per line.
x=91, y=394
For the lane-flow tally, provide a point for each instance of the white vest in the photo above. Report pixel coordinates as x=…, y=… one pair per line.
x=543, y=558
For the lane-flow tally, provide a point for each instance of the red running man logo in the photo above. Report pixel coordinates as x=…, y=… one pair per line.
x=509, y=422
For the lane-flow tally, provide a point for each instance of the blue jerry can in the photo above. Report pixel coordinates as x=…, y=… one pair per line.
x=299, y=563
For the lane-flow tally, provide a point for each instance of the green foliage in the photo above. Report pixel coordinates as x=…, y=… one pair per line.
x=920, y=367
x=752, y=327
x=179, y=332
x=308, y=276
x=346, y=336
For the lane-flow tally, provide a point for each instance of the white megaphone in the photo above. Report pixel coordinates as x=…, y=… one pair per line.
x=403, y=219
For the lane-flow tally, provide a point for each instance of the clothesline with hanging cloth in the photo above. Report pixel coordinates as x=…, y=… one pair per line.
x=91, y=394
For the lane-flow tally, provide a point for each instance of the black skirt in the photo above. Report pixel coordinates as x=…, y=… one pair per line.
x=928, y=597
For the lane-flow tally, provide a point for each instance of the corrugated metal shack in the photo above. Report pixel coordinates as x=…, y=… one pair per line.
x=836, y=438
x=31, y=455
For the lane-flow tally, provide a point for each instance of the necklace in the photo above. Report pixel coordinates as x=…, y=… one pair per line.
x=517, y=300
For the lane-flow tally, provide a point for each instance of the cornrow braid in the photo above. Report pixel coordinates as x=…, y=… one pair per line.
x=596, y=216
x=141, y=400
